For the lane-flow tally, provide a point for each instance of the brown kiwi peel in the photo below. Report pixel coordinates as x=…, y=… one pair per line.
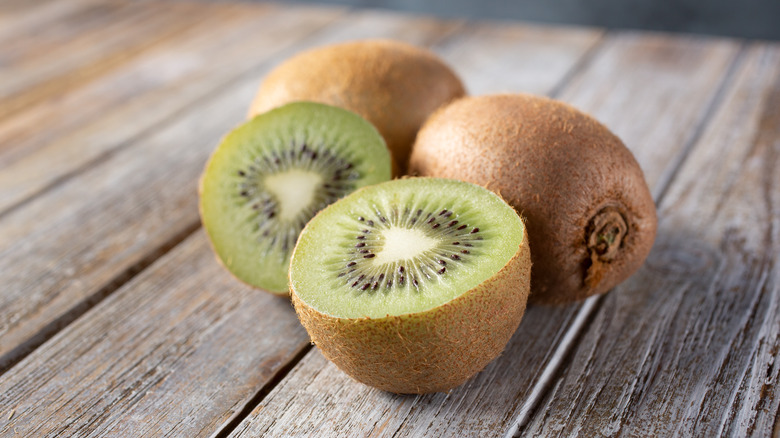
x=393, y=85
x=591, y=218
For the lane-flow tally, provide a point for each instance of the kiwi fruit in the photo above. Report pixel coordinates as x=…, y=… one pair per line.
x=412, y=285
x=590, y=216
x=270, y=175
x=394, y=85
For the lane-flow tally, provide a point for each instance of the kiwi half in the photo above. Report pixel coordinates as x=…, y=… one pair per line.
x=270, y=175
x=413, y=285
x=394, y=85
x=590, y=216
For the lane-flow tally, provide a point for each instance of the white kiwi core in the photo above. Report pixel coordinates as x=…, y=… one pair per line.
x=294, y=190
x=403, y=244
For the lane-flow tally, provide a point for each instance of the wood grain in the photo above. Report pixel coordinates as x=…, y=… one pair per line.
x=92, y=119
x=173, y=353
x=119, y=35
x=489, y=404
x=20, y=18
x=689, y=346
x=495, y=57
x=38, y=31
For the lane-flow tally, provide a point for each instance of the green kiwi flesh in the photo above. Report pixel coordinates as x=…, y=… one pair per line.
x=412, y=285
x=270, y=175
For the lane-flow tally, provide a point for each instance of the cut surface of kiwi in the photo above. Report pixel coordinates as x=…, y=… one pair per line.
x=412, y=285
x=270, y=175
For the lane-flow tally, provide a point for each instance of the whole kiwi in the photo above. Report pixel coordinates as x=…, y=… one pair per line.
x=393, y=85
x=590, y=216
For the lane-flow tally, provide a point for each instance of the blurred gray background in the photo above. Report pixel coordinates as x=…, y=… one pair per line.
x=736, y=18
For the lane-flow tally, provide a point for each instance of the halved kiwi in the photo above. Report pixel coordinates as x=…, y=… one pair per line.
x=394, y=85
x=412, y=285
x=270, y=175
x=591, y=218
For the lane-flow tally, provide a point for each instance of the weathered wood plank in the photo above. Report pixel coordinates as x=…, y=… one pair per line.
x=328, y=402
x=141, y=198
x=498, y=57
x=36, y=32
x=45, y=142
x=18, y=17
x=172, y=353
x=689, y=346
x=109, y=40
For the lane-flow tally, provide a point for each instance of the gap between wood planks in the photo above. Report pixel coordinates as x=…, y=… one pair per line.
x=590, y=307
x=8, y=360
x=238, y=417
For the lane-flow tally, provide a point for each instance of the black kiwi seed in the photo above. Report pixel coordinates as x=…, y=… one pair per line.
x=454, y=235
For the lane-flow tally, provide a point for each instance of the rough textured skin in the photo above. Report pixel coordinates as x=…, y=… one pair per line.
x=590, y=216
x=430, y=351
x=393, y=85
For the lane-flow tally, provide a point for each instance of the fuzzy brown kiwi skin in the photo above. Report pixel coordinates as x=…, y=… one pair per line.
x=431, y=351
x=393, y=85
x=590, y=215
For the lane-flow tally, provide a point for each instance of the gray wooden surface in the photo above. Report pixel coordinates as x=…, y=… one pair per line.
x=115, y=319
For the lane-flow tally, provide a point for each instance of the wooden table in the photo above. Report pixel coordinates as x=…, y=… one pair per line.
x=116, y=320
